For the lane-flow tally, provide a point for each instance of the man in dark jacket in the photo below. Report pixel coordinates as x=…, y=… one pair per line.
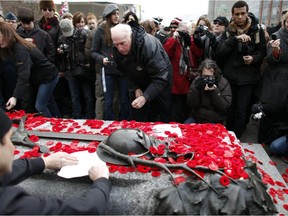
x=16, y=201
x=142, y=58
x=32, y=32
x=243, y=46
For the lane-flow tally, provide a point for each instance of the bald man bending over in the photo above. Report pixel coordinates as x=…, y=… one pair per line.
x=143, y=60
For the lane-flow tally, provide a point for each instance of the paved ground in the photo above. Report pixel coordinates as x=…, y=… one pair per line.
x=250, y=136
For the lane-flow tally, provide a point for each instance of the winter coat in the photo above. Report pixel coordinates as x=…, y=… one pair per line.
x=229, y=49
x=181, y=82
x=52, y=28
x=16, y=201
x=41, y=39
x=147, y=66
x=273, y=84
x=210, y=106
x=32, y=68
x=74, y=54
x=99, y=51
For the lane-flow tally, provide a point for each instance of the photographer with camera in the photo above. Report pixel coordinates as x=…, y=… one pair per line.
x=209, y=96
x=276, y=133
x=182, y=53
x=75, y=66
x=241, y=49
x=205, y=38
x=273, y=84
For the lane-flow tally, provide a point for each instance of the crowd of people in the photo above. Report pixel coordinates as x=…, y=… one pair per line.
x=80, y=67
x=77, y=66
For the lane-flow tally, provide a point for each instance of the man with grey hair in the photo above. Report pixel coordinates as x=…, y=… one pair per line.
x=142, y=59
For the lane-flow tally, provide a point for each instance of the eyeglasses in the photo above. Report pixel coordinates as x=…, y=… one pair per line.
x=218, y=23
x=45, y=9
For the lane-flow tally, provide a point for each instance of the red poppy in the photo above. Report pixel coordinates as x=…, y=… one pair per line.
x=16, y=151
x=273, y=163
x=224, y=180
x=285, y=206
x=113, y=168
x=34, y=138
x=122, y=170
x=155, y=173
x=179, y=180
x=143, y=169
x=153, y=150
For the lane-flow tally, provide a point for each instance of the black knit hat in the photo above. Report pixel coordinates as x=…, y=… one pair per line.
x=5, y=124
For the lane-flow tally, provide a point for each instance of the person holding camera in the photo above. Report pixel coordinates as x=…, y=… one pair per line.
x=209, y=96
x=276, y=135
x=75, y=66
x=273, y=84
x=183, y=55
x=102, y=53
x=242, y=48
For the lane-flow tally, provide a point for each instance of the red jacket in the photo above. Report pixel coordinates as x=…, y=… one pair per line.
x=181, y=83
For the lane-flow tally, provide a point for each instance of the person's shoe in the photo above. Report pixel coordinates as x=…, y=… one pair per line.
x=285, y=159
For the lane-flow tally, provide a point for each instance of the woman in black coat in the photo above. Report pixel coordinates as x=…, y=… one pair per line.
x=33, y=68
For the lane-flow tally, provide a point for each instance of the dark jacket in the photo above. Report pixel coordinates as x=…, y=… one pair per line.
x=273, y=85
x=41, y=39
x=16, y=201
x=147, y=66
x=52, y=28
x=99, y=51
x=232, y=51
x=32, y=68
x=73, y=55
x=210, y=106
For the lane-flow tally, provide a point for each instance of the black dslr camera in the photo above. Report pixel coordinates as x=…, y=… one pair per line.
x=209, y=80
x=246, y=48
x=202, y=29
x=64, y=47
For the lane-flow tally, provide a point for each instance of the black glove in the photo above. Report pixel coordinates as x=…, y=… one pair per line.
x=212, y=38
x=256, y=108
x=200, y=83
x=198, y=30
x=187, y=39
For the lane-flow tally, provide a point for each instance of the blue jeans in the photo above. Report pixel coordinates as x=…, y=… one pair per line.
x=45, y=102
x=279, y=146
x=113, y=81
x=75, y=87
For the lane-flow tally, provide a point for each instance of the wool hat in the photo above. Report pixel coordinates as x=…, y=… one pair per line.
x=47, y=4
x=175, y=22
x=5, y=124
x=109, y=9
x=66, y=26
x=10, y=16
x=223, y=20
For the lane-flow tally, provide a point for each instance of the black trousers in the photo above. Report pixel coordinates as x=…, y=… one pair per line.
x=239, y=110
x=155, y=110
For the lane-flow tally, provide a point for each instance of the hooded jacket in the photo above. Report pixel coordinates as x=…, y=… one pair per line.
x=147, y=66
x=230, y=53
